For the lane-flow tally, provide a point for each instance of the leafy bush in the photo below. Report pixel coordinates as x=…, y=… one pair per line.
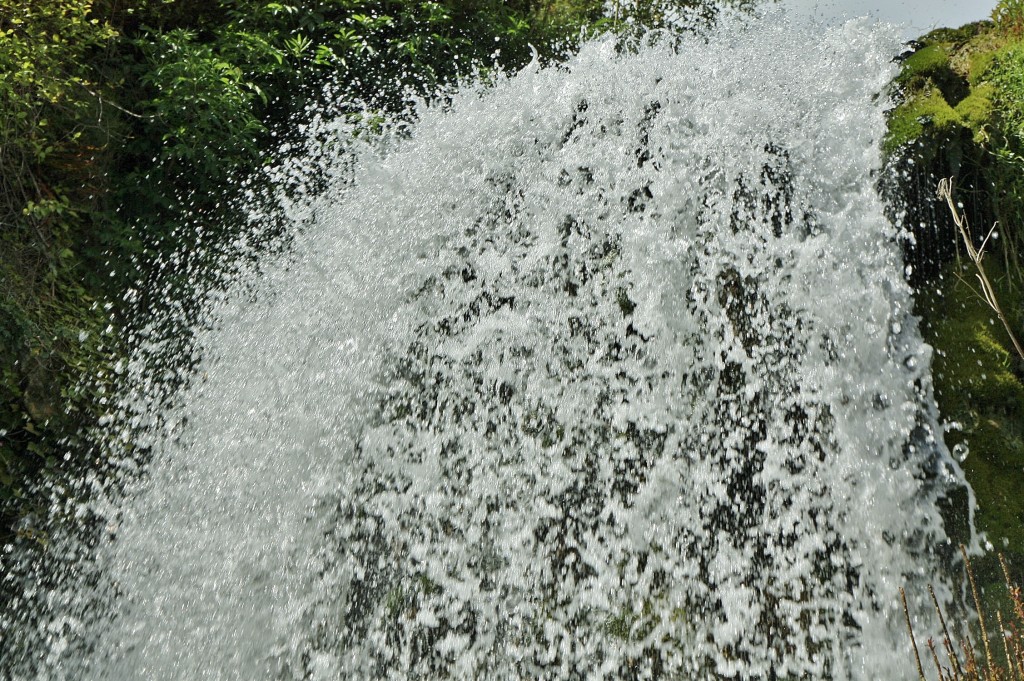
x=123, y=126
x=198, y=97
x=52, y=165
x=1009, y=17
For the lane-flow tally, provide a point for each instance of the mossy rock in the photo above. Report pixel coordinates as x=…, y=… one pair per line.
x=961, y=113
x=945, y=84
x=930, y=61
x=978, y=381
x=975, y=111
x=958, y=36
x=909, y=121
x=979, y=63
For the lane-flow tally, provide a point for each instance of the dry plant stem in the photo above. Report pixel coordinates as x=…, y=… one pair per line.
x=981, y=615
x=935, y=659
x=913, y=641
x=1018, y=607
x=1006, y=645
x=977, y=255
x=947, y=640
x=1018, y=652
x=1015, y=595
x=971, y=672
x=1018, y=660
x=1019, y=655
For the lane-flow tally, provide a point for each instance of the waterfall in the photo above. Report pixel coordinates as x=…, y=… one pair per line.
x=604, y=370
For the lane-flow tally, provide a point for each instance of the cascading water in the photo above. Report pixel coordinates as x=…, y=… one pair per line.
x=604, y=371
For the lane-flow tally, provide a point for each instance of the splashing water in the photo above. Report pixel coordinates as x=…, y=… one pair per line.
x=605, y=371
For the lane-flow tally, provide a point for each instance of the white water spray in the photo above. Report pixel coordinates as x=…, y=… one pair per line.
x=608, y=371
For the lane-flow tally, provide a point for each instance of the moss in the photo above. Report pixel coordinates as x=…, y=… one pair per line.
x=978, y=385
x=629, y=625
x=978, y=376
x=909, y=121
x=978, y=64
x=949, y=82
x=975, y=111
x=958, y=36
x=960, y=113
x=927, y=62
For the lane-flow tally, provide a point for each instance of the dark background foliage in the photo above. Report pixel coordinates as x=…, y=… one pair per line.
x=125, y=127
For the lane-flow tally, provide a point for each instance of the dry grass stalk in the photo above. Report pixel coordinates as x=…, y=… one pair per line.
x=935, y=659
x=1015, y=593
x=1006, y=646
x=913, y=641
x=980, y=611
x=947, y=640
x=977, y=256
x=971, y=669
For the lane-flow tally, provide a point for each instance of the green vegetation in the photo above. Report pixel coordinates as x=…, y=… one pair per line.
x=53, y=166
x=962, y=115
x=978, y=384
x=125, y=124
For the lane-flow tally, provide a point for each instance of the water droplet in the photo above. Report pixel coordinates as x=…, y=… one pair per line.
x=960, y=451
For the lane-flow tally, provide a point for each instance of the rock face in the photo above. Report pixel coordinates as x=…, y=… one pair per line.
x=961, y=103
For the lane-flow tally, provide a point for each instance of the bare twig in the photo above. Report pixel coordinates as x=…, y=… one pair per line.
x=1006, y=645
x=977, y=255
x=102, y=101
x=947, y=641
x=1015, y=594
x=913, y=641
x=935, y=659
x=981, y=613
